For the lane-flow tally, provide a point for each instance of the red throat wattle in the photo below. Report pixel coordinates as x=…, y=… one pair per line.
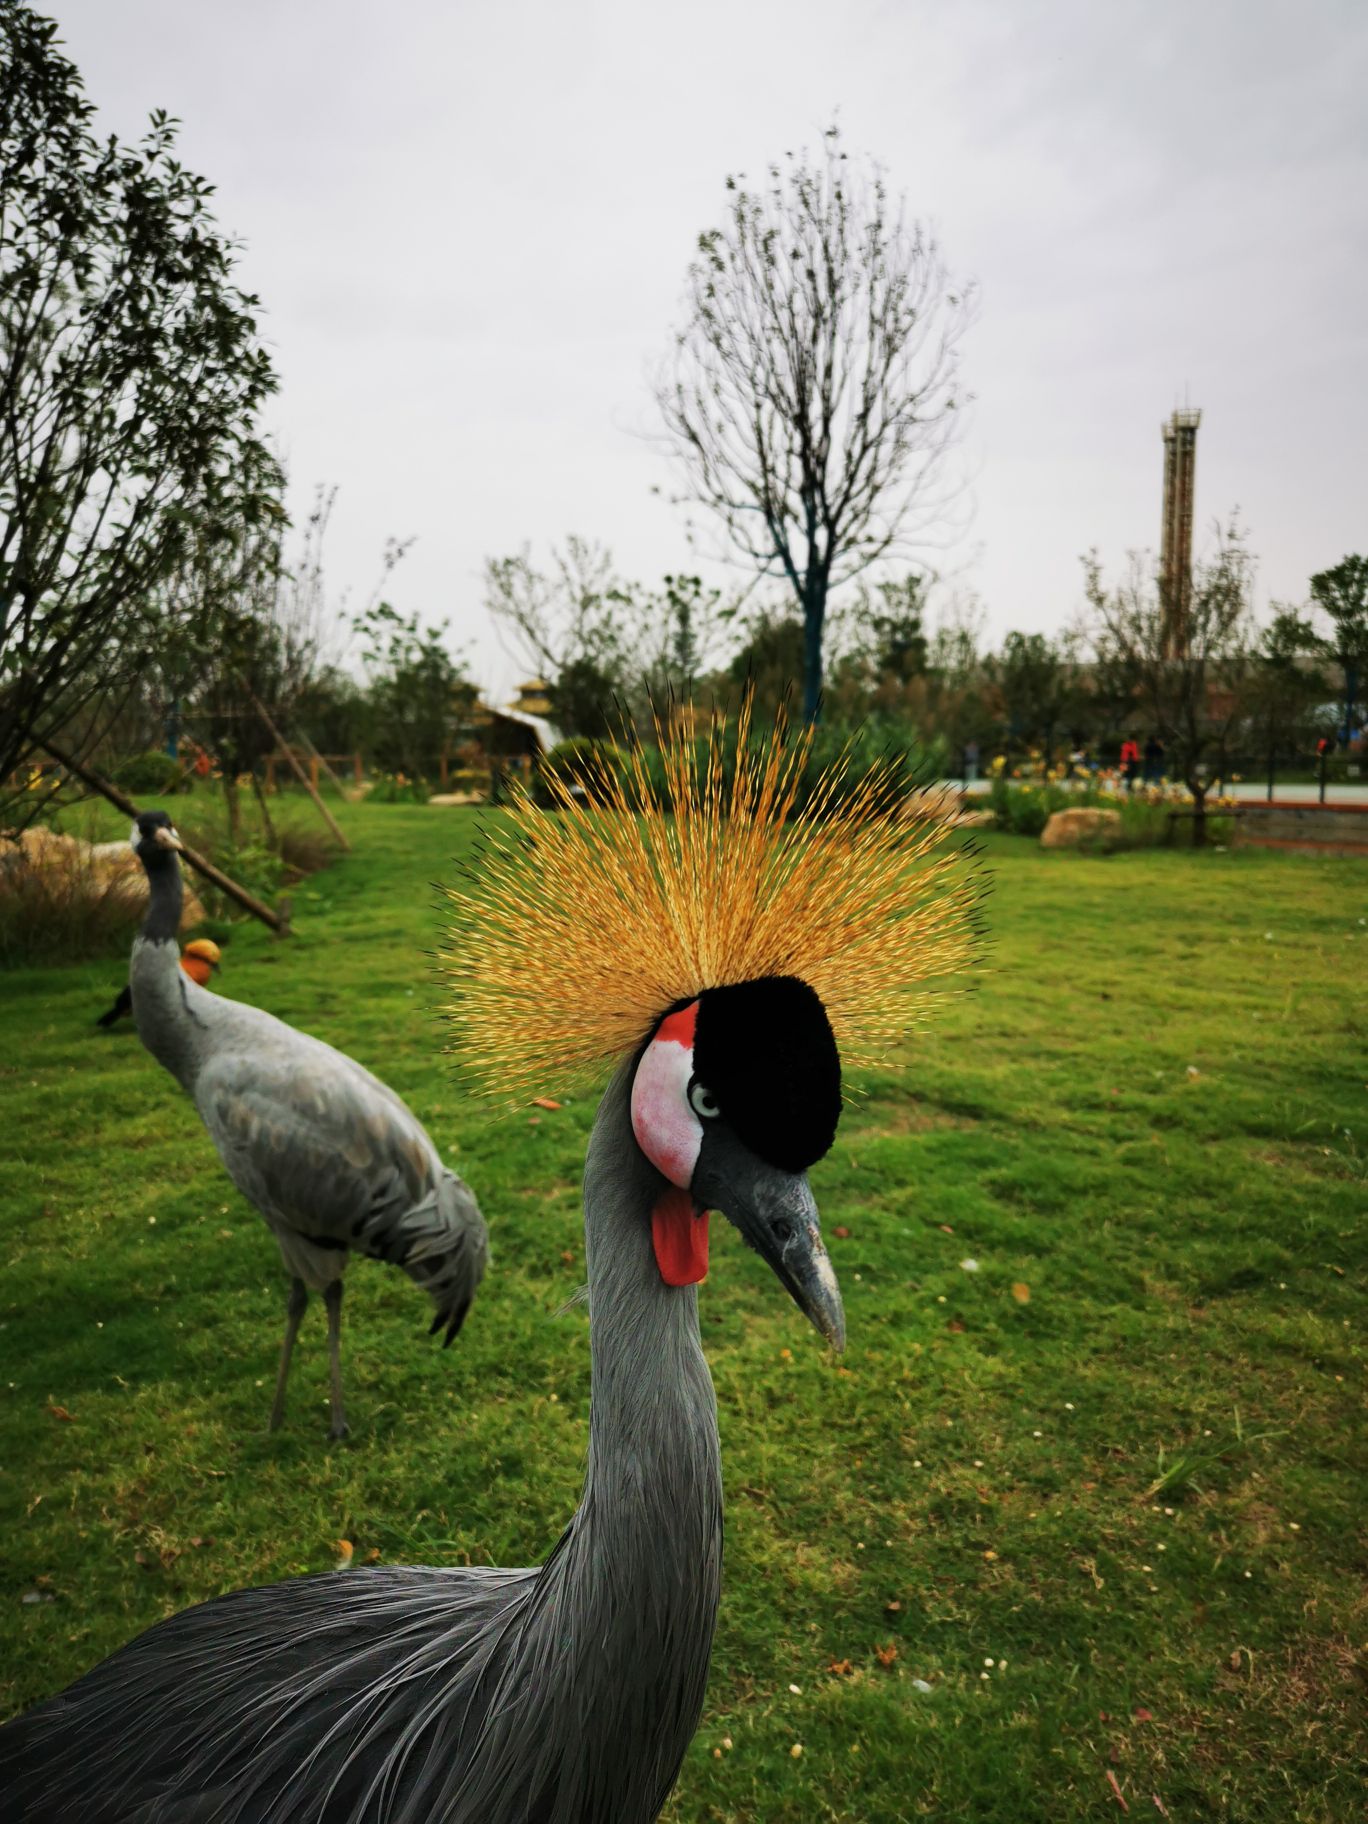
x=680, y=1238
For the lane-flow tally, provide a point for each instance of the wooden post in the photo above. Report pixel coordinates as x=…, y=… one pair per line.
x=442, y=769
x=356, y=769
x=313, y=774
x=293, y=758
x=270, y=773
x=322, y=760
x=191, y=857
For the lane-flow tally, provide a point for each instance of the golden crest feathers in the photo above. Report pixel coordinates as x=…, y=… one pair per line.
x=579, y=926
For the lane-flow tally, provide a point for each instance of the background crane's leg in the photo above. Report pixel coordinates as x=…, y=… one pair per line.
x=332, y=1298
x=294, y=1310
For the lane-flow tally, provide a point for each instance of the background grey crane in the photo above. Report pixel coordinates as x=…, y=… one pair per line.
x=331, y=1157
x=561, y=1695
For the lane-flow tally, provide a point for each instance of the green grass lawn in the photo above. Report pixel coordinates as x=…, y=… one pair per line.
x=1082, y=1526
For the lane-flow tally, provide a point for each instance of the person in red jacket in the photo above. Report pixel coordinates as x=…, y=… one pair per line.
x=1130, y=762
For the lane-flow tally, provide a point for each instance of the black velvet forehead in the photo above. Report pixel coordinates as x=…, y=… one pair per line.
x=147, y=821
x=766, y=1051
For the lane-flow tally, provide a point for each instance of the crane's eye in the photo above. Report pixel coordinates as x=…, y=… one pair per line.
x=701, y=1101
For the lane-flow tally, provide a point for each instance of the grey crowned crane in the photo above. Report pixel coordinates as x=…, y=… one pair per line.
x=333, y=1159
x=720, y=951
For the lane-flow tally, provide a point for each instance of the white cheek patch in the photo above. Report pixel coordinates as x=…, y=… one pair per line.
x=133, y=837
x=667, y=1129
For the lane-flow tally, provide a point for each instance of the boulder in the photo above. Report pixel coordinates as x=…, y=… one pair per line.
x=946, y=804
x=937, y=803
x=1081, y=827
x=99, y=869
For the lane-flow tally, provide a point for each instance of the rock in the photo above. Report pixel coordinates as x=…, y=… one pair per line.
x=44, y=848
x=1084, y=825
x=456, y=798
x=100, y=870
x=939, y=803
x=946, y=804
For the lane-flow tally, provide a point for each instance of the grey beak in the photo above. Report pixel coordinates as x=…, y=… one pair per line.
x=167, y=838
x=777, y=1216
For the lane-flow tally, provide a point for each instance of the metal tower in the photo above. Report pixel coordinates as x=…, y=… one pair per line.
x=1175, y=550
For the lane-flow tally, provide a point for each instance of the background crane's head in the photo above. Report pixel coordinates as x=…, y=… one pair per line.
x=200, y=958
x=153, y=837
x=735, y=1095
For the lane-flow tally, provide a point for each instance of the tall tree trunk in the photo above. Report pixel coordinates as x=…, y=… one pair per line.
x=266, y=823
x=230, y=799
x=1199, y=830
x=814, y=616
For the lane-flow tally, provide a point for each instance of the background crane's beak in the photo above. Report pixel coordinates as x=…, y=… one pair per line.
x=777, y=1216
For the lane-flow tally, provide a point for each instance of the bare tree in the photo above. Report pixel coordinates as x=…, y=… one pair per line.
x=130, y=378
x=813, y=391
x=577, y=623
x=1194, y=701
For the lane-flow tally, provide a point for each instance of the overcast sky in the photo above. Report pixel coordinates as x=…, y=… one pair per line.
x=469, y=227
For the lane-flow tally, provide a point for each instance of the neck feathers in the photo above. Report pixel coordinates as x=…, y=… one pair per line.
x=162, y=922
x=621, y=1618
x=163, y=995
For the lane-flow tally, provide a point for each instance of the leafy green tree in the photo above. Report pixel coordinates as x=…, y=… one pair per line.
x=770, y=660
x=1283, y=687
x=1342, y=594
x=891, y=617
x=814, y=387
x=420, y=700
x=1036, y=678
x=130, y=381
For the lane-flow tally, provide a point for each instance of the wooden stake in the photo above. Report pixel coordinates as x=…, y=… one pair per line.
x=322, y=760
x=297, y=769
x=191, y=857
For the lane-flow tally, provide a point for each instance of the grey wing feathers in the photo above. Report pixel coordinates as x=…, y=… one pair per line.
x=334, y=1165
x=341, y=1699
x=441, y=1243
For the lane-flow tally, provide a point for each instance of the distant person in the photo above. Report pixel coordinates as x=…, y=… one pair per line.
x=1130, y=762
x=971, y=762
x=1154, y=760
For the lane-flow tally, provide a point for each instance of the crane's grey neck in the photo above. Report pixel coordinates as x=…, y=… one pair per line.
x=625, y=1608
x=653, y=1398
x=162, y=922
x=163, y=1007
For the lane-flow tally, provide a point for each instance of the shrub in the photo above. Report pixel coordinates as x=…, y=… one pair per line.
x=586, y=766
x=153, y=773
x=400, y=788
x=61, y=913
x=903, y=762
